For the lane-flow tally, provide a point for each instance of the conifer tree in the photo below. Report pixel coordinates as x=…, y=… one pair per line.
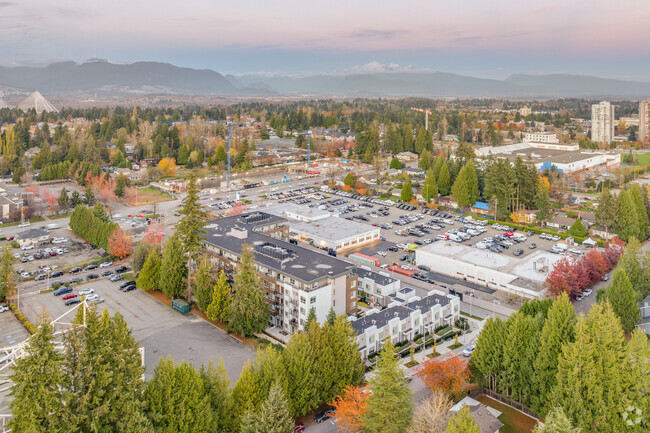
x=217, y=387
x=299, y=363
x=444, y=180
x=175, y=272
x=556, y=422
x=149, y=277
x=205, y=283
x=592, y=383
x=642, y=215
x=627, y=218
x=219, y=308
x=607, y=210
x=390, y=405
x=577, y=229
x=437, y=165
x=36, y=377
x=247, y=394
x=638, y=353
x=557, y=331
x=249, y=311
x=488, y=354
x=190, y=227
x=331, y=317
x=518, y=357
x=465, y=188
x=310, y=318
x=430, y=188
x=63, y=200
x=177, y=400
x=407, y=189
x=622, y=298
x=463, y=422
x=273, y=416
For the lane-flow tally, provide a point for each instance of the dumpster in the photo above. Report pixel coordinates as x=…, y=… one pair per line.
x=181, y=306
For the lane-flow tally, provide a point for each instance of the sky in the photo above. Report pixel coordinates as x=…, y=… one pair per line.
x=483, y=38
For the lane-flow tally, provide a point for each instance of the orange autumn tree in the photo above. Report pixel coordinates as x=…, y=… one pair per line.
x=168, y=166
x=447, y=375
x=349, y=408
x=119, y=245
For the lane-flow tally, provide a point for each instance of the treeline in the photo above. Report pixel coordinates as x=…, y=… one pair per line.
x=94, y=229
x=95, y=384
x=545, y=358
x=626, y=213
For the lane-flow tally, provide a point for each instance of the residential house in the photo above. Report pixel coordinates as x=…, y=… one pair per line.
x=561, y=222
x=480, y=208
x=7, y=206
x=33, y=237
x=601, y=232
x=405, y=157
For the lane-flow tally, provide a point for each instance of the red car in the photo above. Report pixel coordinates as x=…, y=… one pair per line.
x=70, y=296
x=299, y=428
x=53, y=253
x=510, y=234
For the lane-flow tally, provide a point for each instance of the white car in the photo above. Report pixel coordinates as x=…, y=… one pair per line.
x=3, y=308
x=86, y=292
x=25, y=224
x=106, y=264
x=468, y=351
x=30, y=258
x=24, y=274
x=17, y=255
x=27, y=247
x=587, y=292
x=91, y=297
x=381, y=253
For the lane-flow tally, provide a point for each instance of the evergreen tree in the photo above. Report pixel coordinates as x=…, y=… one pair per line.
x=557, y=331
x=310, y=318
x=75, y=198
x=390, y=405
x=150, y=275
x=204, y=284
x=299, y=363
x=626, y=220
x=592, y=381
x=463, y=422
x=140, y=255
x=642, y=215
x=173, y=263
x=426, y=159
x=556, y=422
x=217, y=387
x=577, y=229
x=407, y=137
x=247, y=395
x=273, y=416
x=63, y=200
x=177, y=400
x=622, y=298
x=331, y=317
x=488, y=353
x=249, y=311
x=219, y=308
x=638, y=352
x=465, y=188
x=444, y=180
x=407, y=189
x=395, y=164
x=607, y=210
x=7, y=275
x=437, y=165
x=190, y=227
x=36, y=377
x=350, y=180
x=518, y=357
x=99, y=211
x=89, y=196
x=430, y=188
x=542, y=202
x=120, y=185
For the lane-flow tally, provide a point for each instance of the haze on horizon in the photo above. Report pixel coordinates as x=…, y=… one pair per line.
x=486, y=39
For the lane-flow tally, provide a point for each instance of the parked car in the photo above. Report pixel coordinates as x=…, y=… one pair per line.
x=40, y=277
x=92, y=297
x=580, y=297
x=587, y=292
x=532, y=246
x=76, y=280
x=468, y=351
x=518, y=252
x=70, y=296
x=106, y=264
x=97, y=300
x=605, y=277
x=90, y=267
x=72, y=301
x=92, y=276
x=129, y=288
x=75, y=270
x=107, y=272
x=87, y=291
x=324, y=414
x=62, y=291
x=4, y=308
x=56, y=274
x=122, y=269
x=116, y=277
x=299, y=428
x=127, y=283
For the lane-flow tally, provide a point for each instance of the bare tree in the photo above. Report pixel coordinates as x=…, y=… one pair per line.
x=432, y=415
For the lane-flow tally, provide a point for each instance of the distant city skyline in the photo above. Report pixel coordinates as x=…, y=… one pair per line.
x=472, y=37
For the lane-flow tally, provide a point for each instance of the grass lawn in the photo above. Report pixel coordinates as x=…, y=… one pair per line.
x=464, y=313
x=150, y=195
x=643, y=159
x=455, y=346
x=513, y=420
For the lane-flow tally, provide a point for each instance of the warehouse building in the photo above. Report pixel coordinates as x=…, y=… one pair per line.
x=295, y=278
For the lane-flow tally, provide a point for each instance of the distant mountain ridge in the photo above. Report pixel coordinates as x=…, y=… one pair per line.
x=154, y=77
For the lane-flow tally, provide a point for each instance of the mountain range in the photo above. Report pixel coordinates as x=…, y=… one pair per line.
x=153, y=77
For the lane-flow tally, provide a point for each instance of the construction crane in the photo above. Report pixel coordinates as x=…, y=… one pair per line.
x=427, y=113
x=309, y=132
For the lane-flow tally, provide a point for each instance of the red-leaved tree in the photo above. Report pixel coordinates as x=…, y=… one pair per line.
x=447, y=375
x=119, y=245
x=562, y=278
x=594, y=265
x=154, y=233
x=349, y=408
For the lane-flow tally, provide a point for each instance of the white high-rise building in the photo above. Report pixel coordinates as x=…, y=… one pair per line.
x=602, y=122
x=644, y=121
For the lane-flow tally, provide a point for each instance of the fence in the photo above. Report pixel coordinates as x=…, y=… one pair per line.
x=505, y=400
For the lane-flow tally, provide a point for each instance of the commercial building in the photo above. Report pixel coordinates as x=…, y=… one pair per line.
x=644, y=121
x=33, y=237
x=323, y=229
x=602, y=122
x=540, y=137
x=378, y=286
x=405, y=321
x=566, y=158
x=296, y=279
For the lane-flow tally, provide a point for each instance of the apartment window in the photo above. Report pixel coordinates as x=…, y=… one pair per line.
x=303, y=300
x=266, y=283
x=353, y=284
x=379, y=290
x=353, y=294
x=371, y=339
x=353, y=305
x=302, y=322
x=312, y=300
x=394, y=330
x=302, y=311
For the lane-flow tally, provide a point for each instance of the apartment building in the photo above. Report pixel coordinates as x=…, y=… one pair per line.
x=541, y=137
x=295, y=278
x=602, y=122
x=644, y=121
x=378, y=286
x=405, y=321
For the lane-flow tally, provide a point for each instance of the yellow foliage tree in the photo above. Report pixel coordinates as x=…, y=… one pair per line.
x=168, y=166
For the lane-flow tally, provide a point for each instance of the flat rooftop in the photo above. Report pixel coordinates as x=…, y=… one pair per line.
x=301, y=263
x=540, y=155
x=378, y=278
x=332, y=229
x=522, y=269
x=287, y=209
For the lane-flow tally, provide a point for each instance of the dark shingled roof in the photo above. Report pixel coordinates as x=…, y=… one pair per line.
x=382, y=280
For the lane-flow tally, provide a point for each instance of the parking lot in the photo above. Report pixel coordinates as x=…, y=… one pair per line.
x=160, y=330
